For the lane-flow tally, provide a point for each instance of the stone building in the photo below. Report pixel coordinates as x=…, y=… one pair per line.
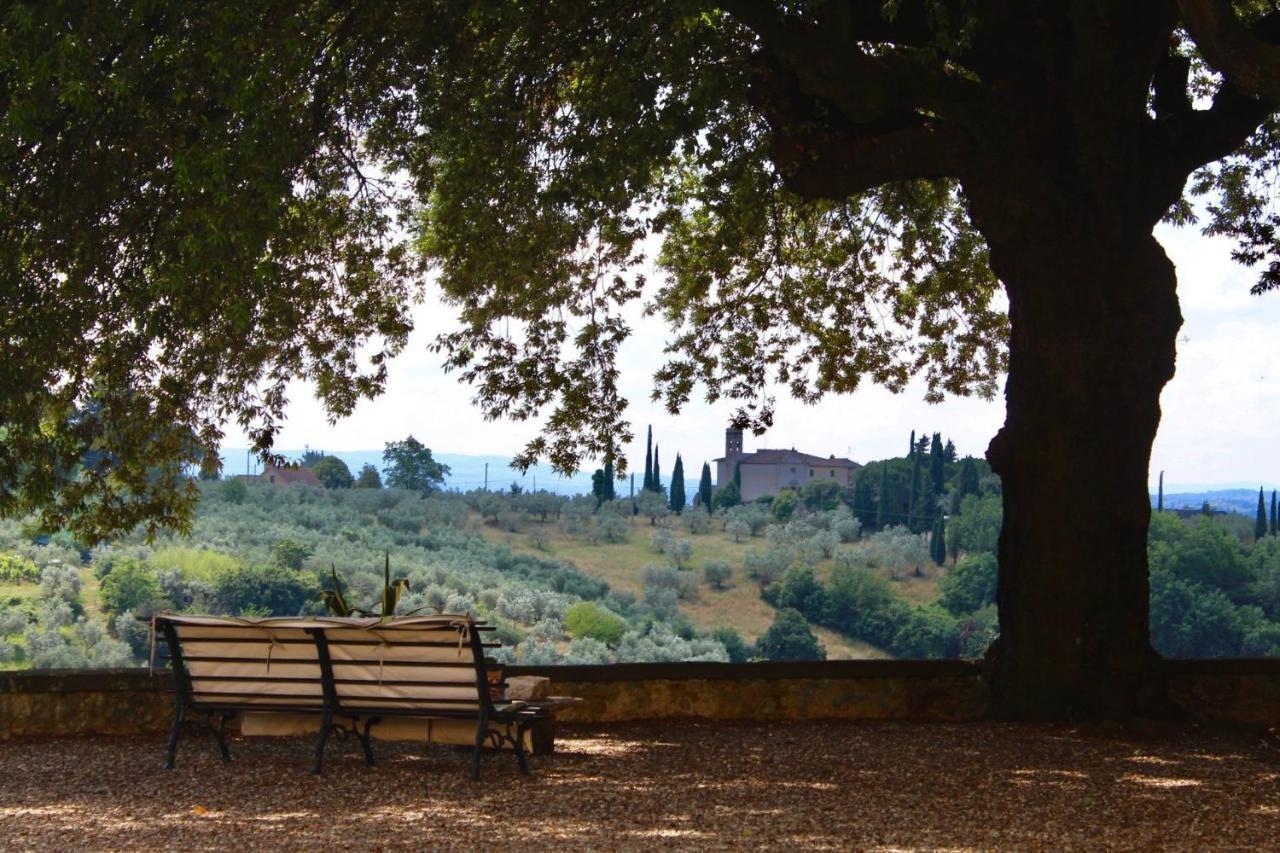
x=286, y=475
x=769, y=471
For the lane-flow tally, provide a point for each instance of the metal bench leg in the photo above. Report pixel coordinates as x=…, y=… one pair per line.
x=179, y=717
x=518, y=747
x=221, y=732
x=482, y=732
x=365, y=738
x=326, y=723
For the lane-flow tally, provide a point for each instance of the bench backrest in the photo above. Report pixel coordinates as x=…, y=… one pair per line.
x=400, y=666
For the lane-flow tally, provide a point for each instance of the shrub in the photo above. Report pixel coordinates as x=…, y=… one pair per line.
x=660, y=540
x=276, y=590
x=784, y=505
x=17, y=569
x=970, y=585
x=790, y=638
x=130, y=586
x=193, y=563
x=587, y=651
x=734, y=645
x=289, y=554
x=738, y=529
x=801, y=591
x=589, y=620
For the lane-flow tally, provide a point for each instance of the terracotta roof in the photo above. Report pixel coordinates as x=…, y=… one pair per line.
x=781, y=456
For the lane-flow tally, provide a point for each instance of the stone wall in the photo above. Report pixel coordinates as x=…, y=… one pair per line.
x=55, y=703
x=901, y=690
x=72, y=702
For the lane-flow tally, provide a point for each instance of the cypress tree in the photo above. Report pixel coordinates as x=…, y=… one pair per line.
x=911, y=451
x=916, y=500
x=883, y=502
x=704, y=487
x=648, y=461
x=737, y=476
x=937, y=464
x=609, y=480
x=863, y=506
x=677, y=486
x=1160, y=494
x=938, y=541
x=1260, y=524
x=968, y=477
x=949, y=452
x=1273, y=512
x=657, y=471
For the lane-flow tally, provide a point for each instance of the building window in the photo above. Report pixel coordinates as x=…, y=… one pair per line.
x=793, y=470
x=810, y=472
x=832, y=472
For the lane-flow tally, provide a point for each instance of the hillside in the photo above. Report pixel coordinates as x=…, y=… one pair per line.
x=621, y=565
x=1240, y=501
x=556, y=592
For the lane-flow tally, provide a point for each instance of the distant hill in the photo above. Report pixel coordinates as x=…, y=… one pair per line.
x=1242, y=501
x=465, y=472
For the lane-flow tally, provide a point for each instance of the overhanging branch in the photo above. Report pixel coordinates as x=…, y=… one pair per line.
x=826, y=57
x=1245, y=56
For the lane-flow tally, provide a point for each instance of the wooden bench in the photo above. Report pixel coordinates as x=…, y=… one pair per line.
x=353, y=673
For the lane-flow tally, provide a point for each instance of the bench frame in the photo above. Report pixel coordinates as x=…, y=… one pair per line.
x=496, y=723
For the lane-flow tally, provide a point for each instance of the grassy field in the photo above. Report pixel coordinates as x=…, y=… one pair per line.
x=9, y=591
x=738, y=606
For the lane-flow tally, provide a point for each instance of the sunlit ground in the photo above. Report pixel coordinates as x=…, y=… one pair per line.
x=679, y=786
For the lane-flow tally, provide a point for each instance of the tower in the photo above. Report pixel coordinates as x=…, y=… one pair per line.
x=732, y=443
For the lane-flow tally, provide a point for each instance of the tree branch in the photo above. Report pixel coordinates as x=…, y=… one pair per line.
x=822, y=156
x=1207, y=135
x=824, y=55
x=1245, y=56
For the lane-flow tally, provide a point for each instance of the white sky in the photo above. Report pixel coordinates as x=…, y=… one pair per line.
x=1216, y=429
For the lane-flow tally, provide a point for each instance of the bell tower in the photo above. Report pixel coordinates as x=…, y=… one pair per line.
x=732, y=443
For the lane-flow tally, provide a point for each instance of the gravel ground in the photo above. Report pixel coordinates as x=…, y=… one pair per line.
x=889, y=786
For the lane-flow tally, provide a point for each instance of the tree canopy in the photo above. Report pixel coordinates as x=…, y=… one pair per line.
x=411, y=466
x=203, y=202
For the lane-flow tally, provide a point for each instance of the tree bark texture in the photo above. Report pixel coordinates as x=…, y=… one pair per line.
x=1093, y=336
x=1068, y=201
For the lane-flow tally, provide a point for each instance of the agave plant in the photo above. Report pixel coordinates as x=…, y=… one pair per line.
x=336, y=603
x=334, y=600
x=391, y=590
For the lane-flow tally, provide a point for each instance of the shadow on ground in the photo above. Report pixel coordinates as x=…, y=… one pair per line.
x=811, y=785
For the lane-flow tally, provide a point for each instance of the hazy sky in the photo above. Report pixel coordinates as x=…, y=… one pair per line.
x=1217, y=425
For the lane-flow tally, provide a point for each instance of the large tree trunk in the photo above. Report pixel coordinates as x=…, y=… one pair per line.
x=1094, y=317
